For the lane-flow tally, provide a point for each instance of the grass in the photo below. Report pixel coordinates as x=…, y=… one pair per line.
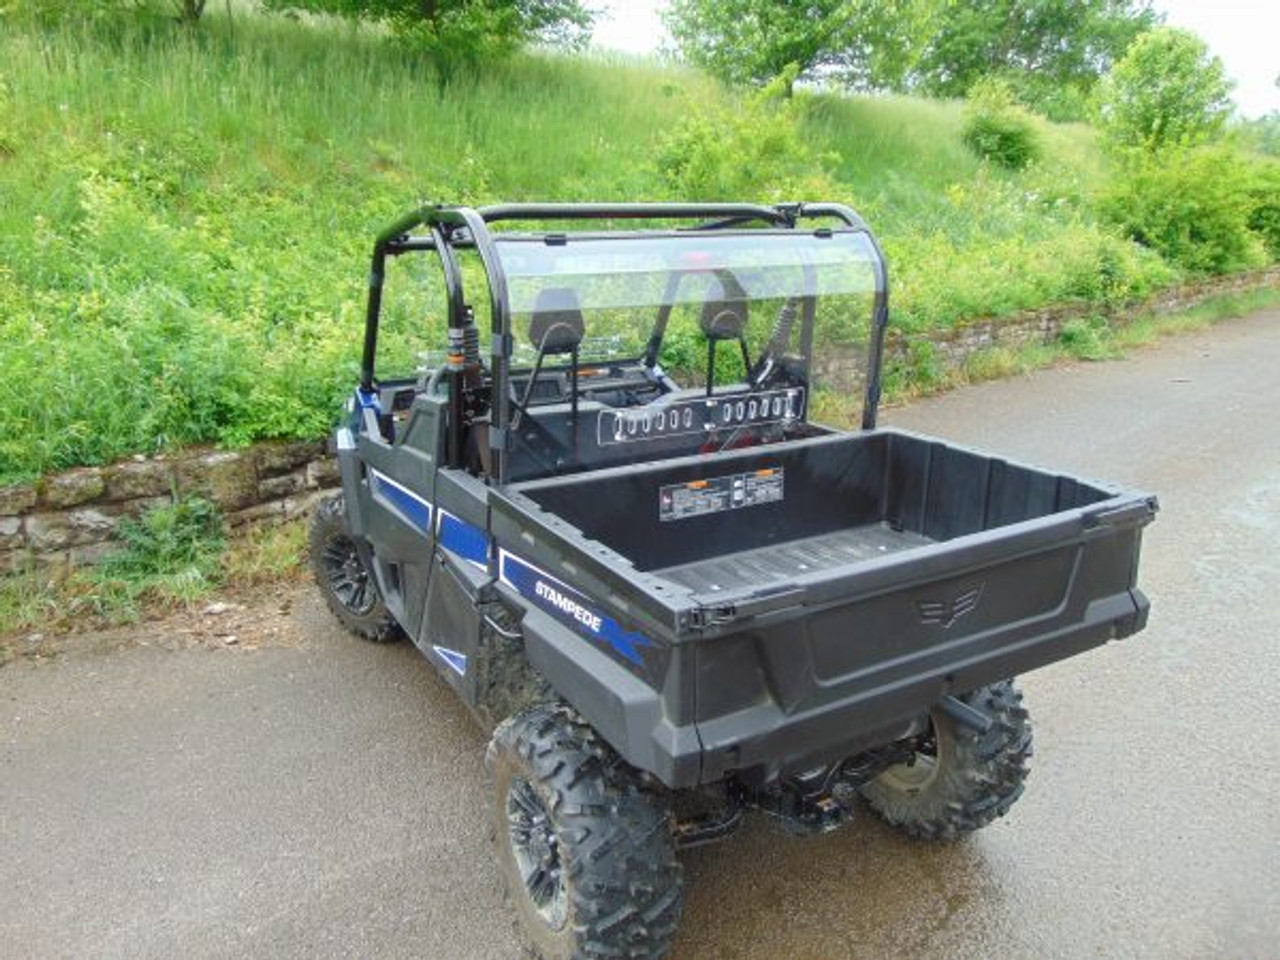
x=185, y=216
x=56, y=600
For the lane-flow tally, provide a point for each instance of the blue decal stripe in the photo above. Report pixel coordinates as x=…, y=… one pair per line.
x=570, y=607
x=456, y=661
x=464, y=539
x=415, y=509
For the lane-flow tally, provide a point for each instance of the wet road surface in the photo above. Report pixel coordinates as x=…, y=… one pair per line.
x=325, y=799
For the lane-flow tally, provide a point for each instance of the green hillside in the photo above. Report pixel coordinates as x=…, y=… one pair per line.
x=185, y=216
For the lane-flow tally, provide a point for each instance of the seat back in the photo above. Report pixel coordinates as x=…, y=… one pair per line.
x=556, y=325
x=725, y=318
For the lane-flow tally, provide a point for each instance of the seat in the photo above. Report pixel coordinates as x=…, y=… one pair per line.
x=725, y=318
x=556, y=327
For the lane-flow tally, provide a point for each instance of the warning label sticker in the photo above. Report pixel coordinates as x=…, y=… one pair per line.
x=697, y=498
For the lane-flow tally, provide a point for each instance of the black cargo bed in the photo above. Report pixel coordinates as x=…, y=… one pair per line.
x=749, y=519
x=781, y=562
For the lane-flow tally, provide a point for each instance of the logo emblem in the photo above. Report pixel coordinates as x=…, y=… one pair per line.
x=946, y=612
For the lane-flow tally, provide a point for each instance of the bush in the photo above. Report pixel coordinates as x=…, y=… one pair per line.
x=1264, y=200
x=997, y=129
x=184, y=536
x=1191, y=206
x=1168, y=90
x=1086, y=338
x=754, y=149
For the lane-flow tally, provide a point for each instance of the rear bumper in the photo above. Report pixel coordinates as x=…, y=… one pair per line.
x=765, y=741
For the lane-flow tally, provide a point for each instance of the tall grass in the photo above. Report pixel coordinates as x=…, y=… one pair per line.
x=185, y=216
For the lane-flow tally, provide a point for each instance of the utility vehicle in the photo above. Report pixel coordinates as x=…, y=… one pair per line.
x=672, y=596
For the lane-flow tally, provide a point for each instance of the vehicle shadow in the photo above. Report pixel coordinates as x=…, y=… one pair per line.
x=862, y=891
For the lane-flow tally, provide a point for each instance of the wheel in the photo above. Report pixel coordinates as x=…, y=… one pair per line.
x=587, y=859
x=960, y=779
x=348, y=587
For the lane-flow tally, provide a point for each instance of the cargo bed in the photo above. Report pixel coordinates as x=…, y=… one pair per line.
x=820, y=591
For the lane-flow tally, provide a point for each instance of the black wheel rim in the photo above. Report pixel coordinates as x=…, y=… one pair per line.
x=537, y=853
x=348, y=579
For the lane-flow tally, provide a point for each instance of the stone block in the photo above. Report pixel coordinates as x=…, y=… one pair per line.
x=138, y=478
x=229, y=479
x=11, y=537
x=324, y=473
x=271, y=512
x=302, y=505
x=17, y=499
x=57, y=531
x=273, y=488
x=73, y=488
x=275, y=459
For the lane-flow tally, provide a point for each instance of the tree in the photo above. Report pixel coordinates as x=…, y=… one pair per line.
x=1051, y=51
x=1169, y=90
x=466, y=28
x=868, y=43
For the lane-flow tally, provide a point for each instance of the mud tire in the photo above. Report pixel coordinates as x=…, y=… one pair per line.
x=327, y=539
x=613, y=851
x=968, y=780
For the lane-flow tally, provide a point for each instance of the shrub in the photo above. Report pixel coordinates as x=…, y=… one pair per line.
x=184, y=537
x=1192, y=206
x=1168, y=90
x=997, y=129
x=754, y=149
x=1264, y=201
x=1086, y=338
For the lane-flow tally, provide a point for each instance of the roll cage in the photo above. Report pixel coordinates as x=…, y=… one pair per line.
x=448, y=229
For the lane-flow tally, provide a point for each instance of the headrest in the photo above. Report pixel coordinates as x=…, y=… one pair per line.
x=556, y=324
x=725, y=318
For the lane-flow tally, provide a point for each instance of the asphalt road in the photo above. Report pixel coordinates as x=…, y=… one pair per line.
x=325, y=798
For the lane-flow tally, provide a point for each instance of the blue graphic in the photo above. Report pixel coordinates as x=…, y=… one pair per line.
x=416, y=510
x=571, y=608
x=464, y=539
x=456, y=661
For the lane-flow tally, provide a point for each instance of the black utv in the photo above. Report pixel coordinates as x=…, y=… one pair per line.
x=673, y=597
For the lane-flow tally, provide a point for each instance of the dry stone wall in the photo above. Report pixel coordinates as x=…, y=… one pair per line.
x=841, y=368
x=71, y=518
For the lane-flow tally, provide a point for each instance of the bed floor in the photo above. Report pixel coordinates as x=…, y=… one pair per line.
x=780, y=562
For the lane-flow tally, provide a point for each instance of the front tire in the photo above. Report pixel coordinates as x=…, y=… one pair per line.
x=349, y=588
x=959, y=779
x=587, y=859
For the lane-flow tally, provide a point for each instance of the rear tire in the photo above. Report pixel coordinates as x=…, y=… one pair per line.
x=349, y=588
x=587, y=859
x=961, y=779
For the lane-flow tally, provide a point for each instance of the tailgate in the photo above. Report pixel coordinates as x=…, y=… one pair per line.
x=795, y=673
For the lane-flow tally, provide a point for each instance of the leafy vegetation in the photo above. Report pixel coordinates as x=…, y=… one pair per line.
x=872, y=44
x=180, y=539
x=59, y=599
x=996, y=128
x=752, y=148
x=1167, y=91
x=186, y=214
x=1192, y=205
x=466, y=30
x=1051, y=51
